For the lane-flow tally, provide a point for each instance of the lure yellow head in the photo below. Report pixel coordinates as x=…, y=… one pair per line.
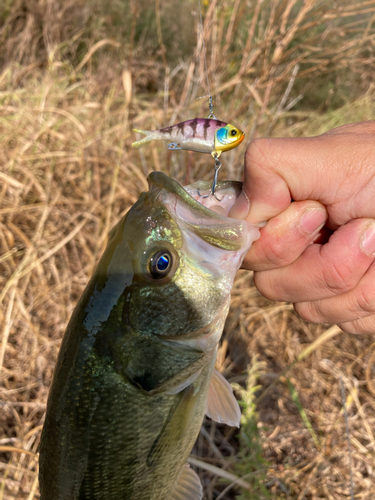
x=227, y=138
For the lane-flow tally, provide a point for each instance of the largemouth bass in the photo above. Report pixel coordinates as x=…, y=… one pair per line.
x=204, y=135
x=135, y=373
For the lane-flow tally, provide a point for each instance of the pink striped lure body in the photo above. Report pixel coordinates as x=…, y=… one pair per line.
x=204, y=135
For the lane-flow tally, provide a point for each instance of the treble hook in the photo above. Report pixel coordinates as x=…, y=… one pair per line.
x=214, y=182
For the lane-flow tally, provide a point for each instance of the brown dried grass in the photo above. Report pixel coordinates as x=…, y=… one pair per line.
x=68, y=173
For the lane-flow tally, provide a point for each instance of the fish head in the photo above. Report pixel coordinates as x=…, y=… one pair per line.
x=181, y=258
x=228, y=137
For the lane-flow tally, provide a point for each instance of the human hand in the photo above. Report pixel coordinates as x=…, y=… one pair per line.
x=327, y=276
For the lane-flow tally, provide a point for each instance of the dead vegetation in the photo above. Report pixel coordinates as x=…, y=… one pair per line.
x=74, y=81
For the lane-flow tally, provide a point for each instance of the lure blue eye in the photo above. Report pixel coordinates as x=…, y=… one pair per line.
x=160, y=264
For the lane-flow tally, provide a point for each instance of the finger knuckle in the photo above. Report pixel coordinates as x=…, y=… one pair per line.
x=352, y=327
x=348, y=327
x=360, y=325
x=365, y=300
x=276, y=253
x=308, y=312
x=266, y=286
x=338, y=278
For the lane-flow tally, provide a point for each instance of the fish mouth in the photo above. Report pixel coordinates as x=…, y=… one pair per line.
x=206, y=217
x=194, y=195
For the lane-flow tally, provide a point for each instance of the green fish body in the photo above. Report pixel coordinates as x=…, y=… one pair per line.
x=135, y=373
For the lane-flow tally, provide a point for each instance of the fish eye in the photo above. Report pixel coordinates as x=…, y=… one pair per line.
x=233, y=132
x=160, y=264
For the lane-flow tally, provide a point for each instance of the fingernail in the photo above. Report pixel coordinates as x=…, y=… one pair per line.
x=241, y=207
x=313, y=219
x=367, y=241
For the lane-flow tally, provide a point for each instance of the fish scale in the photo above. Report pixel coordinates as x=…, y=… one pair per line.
x=130, y=470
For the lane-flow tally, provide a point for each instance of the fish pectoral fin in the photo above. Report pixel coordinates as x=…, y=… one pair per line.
x=222, y=406
x=175, y=389
x=176, y=424
x=188, y=486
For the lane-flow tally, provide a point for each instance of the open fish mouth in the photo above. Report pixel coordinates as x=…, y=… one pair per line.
x=194, y=194
x=226, y=193
x=206, y=217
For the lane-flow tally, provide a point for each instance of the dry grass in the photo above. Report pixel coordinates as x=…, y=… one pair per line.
x=69, y=97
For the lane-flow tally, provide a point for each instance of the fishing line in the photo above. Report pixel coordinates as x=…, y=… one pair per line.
x=210, y=105
x=218, y=163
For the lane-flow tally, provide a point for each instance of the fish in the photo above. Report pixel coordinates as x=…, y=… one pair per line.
x=204, y=135
x=136, y=373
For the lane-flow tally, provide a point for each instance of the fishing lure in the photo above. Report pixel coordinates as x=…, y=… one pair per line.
x=204, y=135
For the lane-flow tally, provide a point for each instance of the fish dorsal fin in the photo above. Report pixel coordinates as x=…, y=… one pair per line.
x=222, y=406
x=188, y=486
